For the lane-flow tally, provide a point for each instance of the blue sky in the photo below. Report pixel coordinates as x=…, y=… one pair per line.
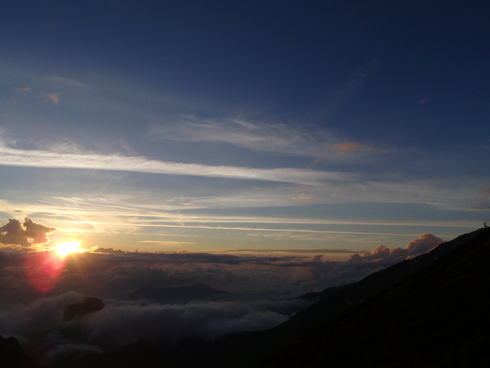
x=258, y=125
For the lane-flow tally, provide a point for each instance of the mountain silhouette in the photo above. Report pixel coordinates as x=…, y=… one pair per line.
x=12, y=355
x=315, y=296
x=438, y=317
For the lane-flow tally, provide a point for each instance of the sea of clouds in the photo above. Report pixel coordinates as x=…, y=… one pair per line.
x=262, y=291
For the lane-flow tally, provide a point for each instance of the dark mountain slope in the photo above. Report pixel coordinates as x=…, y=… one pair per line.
x=324, y=294
x=12, y=356
x=250, y=346
x=325, y=310
x=439, y=317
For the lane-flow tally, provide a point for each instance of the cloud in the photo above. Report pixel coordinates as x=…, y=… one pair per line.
x=279, y=138
x=166, y=242
x=13, y=233
x=301, y=251
x=123, y=322
x=264, y=137
x=24, y=89
x=37, y=232
x=349, y=146
x=303, y=197
x=420, y=245
x=107, y=250
x=81, y=309
x=52, y=97
x=119, y=325
x=110, y=273
x=38, y=158
x=67, y=82
x=339, y=151
x=423, y=244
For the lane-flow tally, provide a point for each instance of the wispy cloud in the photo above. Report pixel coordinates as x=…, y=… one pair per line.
x=66, y=82
x=166, y=242
x=22, y=89
x=349, y=146
x=301, y=197
x=292, y=251
x=38, y=158
x=278, y=138
x=264, y=137
x=52, y=97
x=96, y=213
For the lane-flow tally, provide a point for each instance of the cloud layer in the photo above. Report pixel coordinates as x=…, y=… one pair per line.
x=261, y=293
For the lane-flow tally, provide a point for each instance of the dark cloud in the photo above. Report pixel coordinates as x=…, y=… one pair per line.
x=14, y=233
x=107, y=250
x=38, y=233
x=82, y=309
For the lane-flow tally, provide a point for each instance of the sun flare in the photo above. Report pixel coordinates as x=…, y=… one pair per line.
x=68, y=247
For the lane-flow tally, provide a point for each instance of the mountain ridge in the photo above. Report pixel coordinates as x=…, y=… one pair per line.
x=435, y=318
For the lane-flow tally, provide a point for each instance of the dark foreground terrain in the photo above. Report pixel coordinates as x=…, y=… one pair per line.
x=431, y=311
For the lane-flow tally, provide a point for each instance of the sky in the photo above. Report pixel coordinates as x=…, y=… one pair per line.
x=258, y=126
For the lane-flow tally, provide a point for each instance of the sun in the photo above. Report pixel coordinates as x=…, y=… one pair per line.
x=68, y=247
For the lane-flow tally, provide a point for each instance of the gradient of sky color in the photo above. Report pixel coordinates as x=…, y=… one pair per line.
x=257, y=125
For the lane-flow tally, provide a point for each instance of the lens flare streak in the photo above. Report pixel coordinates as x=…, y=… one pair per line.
x=44, y=269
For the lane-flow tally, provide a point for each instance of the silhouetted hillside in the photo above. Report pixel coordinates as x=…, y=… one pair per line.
x=12, y=356
x=439, y=317
x=315, y=296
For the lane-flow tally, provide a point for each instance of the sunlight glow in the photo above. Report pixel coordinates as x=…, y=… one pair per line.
x=69, y=247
